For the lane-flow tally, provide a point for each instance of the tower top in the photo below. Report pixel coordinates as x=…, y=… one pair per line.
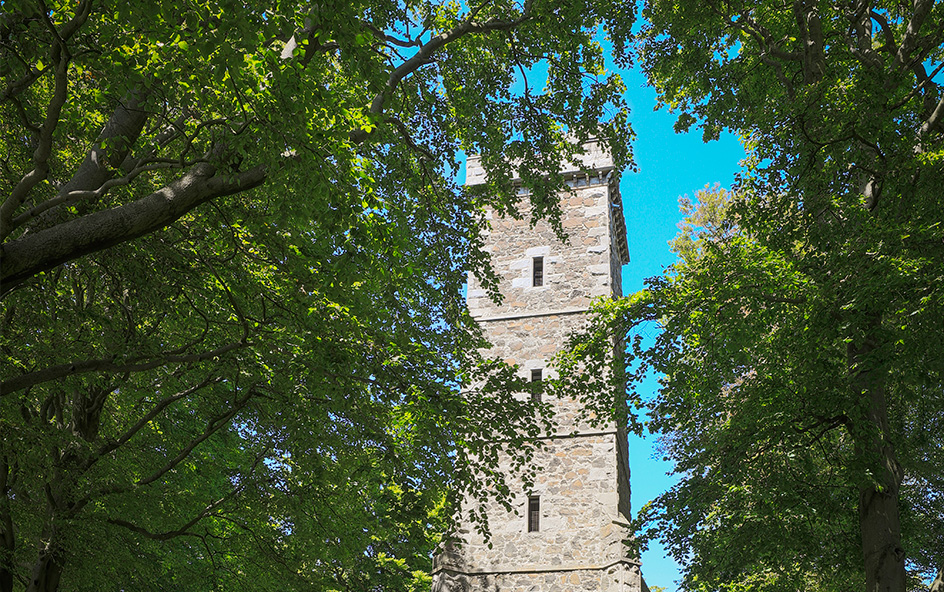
x=594, y=167
x=595, y=160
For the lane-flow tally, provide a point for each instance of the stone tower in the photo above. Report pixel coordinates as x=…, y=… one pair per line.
x=568, y=532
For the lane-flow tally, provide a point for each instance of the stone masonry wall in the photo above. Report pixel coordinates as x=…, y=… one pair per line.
x=531, y=342
x=574, y=273
x=583, y=477
x=621, y=577
x=579, y=515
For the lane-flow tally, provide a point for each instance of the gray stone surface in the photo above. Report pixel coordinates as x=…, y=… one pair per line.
x=574, y=273
x=583, y=480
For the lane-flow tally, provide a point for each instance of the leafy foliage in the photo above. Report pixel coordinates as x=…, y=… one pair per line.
x=799, y=348
x=233, y=254
x=758, y=411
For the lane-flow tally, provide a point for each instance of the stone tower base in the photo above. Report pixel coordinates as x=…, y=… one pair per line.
x=622, y=576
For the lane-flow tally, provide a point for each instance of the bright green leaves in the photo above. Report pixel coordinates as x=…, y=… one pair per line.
x=760, y=404
x=743, y=417
x=274, y=372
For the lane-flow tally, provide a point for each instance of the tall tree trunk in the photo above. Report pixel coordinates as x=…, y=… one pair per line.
x=878, y=497
x=6, y=580
x=7, y=546
x=47, y=570
x=938, y=584
x=7, y=537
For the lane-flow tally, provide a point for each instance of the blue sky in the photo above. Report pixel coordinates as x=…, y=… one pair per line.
x=670, y=165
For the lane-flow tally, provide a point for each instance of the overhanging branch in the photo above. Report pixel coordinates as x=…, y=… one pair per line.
x=146, y=419
x=213, y=426
x=18, y=383
x=183, y=530
x=25, y=257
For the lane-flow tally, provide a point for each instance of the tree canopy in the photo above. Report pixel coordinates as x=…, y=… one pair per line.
x=232, y=257
x=803, y=388
x=756, y=412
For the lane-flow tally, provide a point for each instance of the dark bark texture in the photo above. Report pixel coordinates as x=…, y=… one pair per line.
x=879, y=521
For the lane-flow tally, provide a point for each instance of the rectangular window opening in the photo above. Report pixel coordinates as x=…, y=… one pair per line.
x=537, y=271
x=534, y=513
x=536, y=376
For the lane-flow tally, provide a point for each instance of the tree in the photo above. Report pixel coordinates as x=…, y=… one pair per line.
x=841, y=108
x=760, y=414
x=232, y=259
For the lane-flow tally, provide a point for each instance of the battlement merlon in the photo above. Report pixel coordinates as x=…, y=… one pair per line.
x=595, y=161
x=595, y=167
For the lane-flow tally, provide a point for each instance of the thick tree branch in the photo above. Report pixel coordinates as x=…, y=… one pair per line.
x=61, y=57
x=811, y=36
x=25, y=257
x=830, y=423
x=212, y=427
x=57, y=372
x=932, y=122
x=910, y=39
x=861, y=45
x=16, y=87
x=889, y=37
x=390, y=38
x=83, y=10
x=108, y=152
x=159, y=536
x=43, y=149
x=87, y=405
x=938, y=584
x=70, y=197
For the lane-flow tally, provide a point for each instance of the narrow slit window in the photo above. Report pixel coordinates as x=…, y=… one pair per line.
x=537, y=271
x=534, y=513
x=536, y=376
